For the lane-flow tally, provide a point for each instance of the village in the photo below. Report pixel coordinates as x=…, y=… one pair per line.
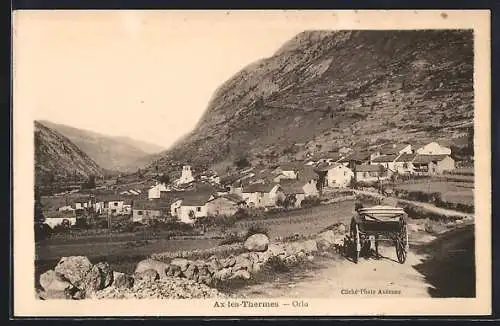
x=289, y=185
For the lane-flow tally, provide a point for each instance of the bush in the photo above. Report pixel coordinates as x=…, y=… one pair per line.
x=310, y=202
x=276, y=264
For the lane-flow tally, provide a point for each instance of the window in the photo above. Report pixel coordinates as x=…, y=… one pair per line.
x=365, y=174
x=405, y=165
x=345, y=173
x=113, y=211
x=139, y=212
x=115, y=204
x=198, y=209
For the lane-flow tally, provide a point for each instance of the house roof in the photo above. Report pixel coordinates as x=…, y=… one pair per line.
x=369, y=168
x=259, y=187
x=290, y=166
x=195, y=198
x=151, y=205
x=292, y=186
x=355, y=156
x=385, y=158
x=109, y=197
x=233, y=197
x=307, y=173
x=424, y=159
x=406, y=158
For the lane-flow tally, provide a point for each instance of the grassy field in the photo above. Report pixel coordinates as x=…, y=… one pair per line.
x=455, y=192
x=304, y=221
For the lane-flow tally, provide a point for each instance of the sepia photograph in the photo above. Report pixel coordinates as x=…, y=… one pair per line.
x=257, y=162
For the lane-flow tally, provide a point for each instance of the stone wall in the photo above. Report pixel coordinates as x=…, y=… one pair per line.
x=179, y=277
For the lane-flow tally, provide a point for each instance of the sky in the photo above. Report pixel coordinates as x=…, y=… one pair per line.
x=146, y=75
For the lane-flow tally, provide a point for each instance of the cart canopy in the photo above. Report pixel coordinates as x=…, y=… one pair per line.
x=382, y=212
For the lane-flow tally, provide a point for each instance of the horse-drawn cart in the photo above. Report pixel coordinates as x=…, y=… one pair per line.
x=380, y=223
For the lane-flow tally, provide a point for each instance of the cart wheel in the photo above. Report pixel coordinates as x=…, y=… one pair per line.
x=402, y=243
x=356, y=241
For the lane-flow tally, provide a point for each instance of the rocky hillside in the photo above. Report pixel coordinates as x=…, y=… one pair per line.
x=56, y=157
x=325, y=89
x=113, y=153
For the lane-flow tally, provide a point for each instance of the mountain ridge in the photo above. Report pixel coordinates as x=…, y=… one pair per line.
x=115, y=153
x=57, y=158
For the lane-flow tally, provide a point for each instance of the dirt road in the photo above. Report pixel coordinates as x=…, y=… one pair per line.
x=432, y=269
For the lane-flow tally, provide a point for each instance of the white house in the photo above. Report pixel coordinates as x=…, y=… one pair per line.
x=433, y=149
x=155, y=191
x=261, y=194
x=191, y=205
x=387, y=161
x=186, y=176
x=336, y=176
x=432, y=164
x=404, y=164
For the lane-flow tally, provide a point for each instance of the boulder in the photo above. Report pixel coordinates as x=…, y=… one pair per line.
x=213, y=266
x=149, y=275
x=106, y=273
x=46, y=279
x=122, y=281
x=229, y=262
x=301, y=255
x=223, y=274
x=341, y=229
x=241, y=274
x=242, y=263
x=328, y=236
x=181, y=262
x=310, y=246
x=74, y=269
x=160, y=267
x=274, y=249
x=191, y=271
x=323, y=245
x=291, y=260
x=174, y=270
x=257, y=242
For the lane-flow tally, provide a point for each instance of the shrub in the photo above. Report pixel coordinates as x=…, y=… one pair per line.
x=276, y=264
x=310, y=202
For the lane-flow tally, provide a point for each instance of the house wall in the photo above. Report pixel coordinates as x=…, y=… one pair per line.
x=370, y=176
x=99, y=207
x=199, y=211
x=253, y=199
x=53, y=221
x=404, y=167
x=175, y=208
x=139, y=215
x=339, y=177
x=115, y=207
x=154, y=192
x=127, y=209
x=221, y=207
x=66, y=208
x=446, y=164
x=311, y=189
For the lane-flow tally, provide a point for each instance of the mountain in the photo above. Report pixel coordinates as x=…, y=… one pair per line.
x=325, y=89
x=56, y=157
x=112, y=153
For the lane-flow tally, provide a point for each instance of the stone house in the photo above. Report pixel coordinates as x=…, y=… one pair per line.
x=370, y=173
x=225, y=205
x=432, y=164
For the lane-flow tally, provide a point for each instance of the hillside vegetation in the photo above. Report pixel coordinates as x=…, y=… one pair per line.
x=57, y=158
x=112, y=153
x=325, y=89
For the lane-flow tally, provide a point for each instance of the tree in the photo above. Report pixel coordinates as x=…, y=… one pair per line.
x=242, y=162
x=90, y=183
x=164, y=178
